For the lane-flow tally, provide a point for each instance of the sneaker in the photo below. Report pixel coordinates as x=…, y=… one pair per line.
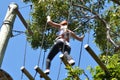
x=71, y=62
x=47, y=71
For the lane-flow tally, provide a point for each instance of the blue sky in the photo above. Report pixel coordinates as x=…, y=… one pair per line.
x=14, y=55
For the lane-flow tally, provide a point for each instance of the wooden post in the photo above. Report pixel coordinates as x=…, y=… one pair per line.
x=26, y=73
x=6, y=29
x=92, y=53
x=42, y=74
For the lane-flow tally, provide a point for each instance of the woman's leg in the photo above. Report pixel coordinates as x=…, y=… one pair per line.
x=67, y=50
x=51, y=55
x=54, y=50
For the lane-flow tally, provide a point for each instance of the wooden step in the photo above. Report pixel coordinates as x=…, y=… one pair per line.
x=42, y=74
x=26, y=73
x=96, y=58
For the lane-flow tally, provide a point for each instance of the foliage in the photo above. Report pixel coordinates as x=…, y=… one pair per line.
x=73, y=73
x=39, y=26
x=79, y=20
x=112, y=17
x=113, y=66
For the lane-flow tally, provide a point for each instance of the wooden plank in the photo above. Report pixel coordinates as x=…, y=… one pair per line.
x=96, y=58
x=42, y=74
x=26, y=73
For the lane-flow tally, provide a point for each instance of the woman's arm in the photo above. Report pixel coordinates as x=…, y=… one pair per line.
x=52, y=23
x=75, y=36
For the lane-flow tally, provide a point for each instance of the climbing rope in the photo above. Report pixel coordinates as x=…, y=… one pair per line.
x=47, y=13
x=43, y=59
x=43, y=37
x=24, y=59
x=68, y=19
x=88, y=35
x=18, y=33
x=26, y=39
x=59, y=70
x=25, y=51
x=81, y=52
x=81, y=46
x=30, y=5
x=42, y=44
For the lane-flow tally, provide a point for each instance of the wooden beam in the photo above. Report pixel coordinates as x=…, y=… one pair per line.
x=26, y=73
x=96, y=58
x=23, y=21
x=42, y=74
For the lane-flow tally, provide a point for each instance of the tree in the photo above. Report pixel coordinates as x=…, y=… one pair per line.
x=100, y=16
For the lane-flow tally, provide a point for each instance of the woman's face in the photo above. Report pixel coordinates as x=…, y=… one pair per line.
x=64, y=27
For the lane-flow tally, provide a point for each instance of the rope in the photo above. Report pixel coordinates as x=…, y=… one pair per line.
x=88, y=36
x=43, y=60
x=87, y=77
x=64, y=42
x=59, y=70
x=25, y=51
x=61, y=61
x=25, y=6
x=24, y=60
x=47, y=13
x=18, y=33
x=26, y=40
x=42, y=45
x=80, y=53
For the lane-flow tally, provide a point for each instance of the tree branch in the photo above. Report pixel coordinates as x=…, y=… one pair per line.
x=86, y=8
x=104, y=22
x=108, y=36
